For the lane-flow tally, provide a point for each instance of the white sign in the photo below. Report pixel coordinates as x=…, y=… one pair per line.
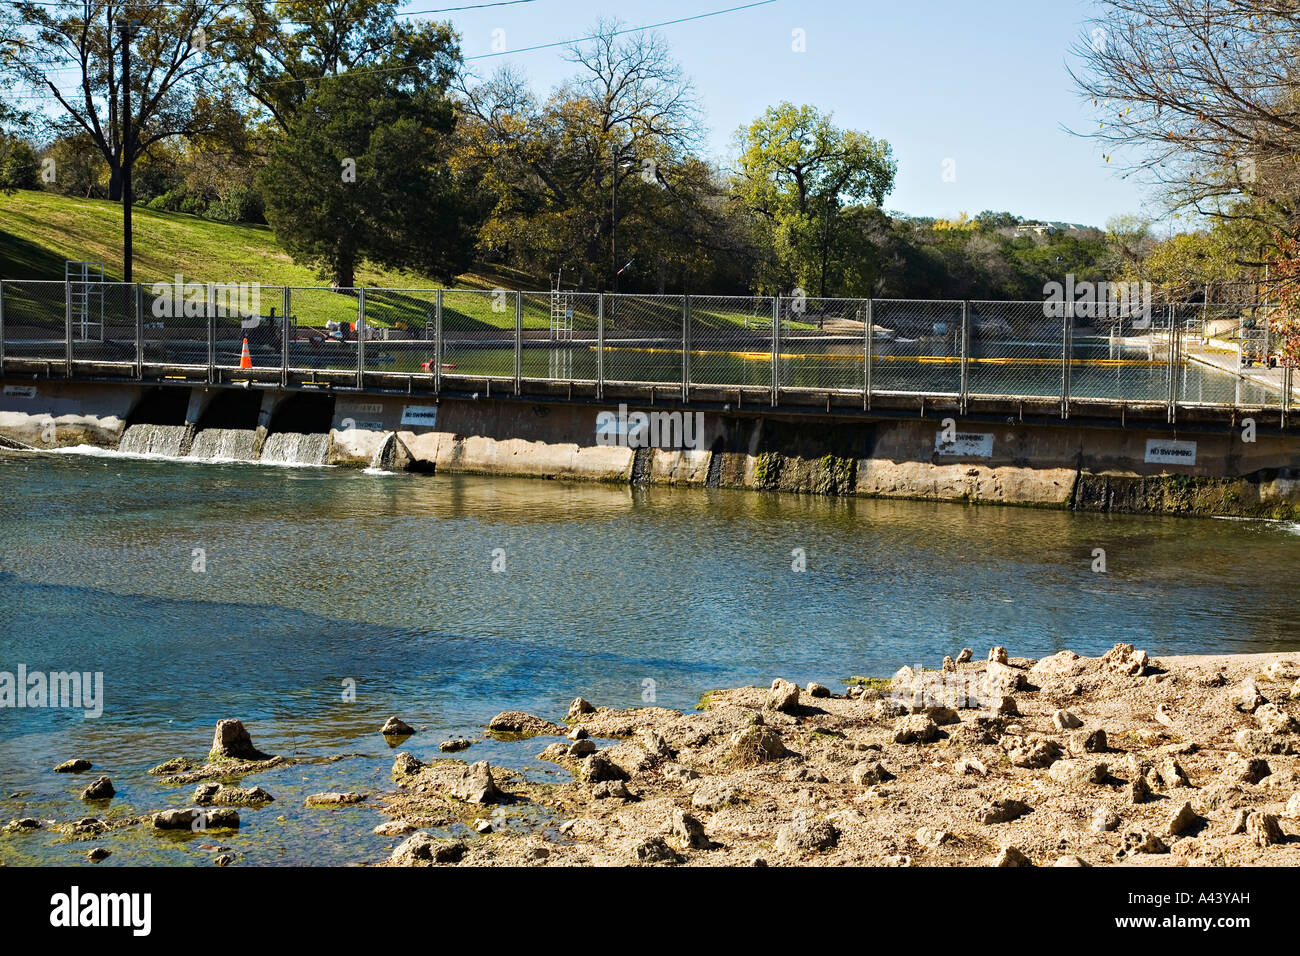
x=426, y=415
x=1164, y=451
x=965, y=445
x=21, y=391
x=373, y=408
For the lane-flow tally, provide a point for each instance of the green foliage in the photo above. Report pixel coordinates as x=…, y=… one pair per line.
x=18, y=164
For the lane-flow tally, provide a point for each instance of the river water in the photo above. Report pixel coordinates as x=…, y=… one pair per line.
x=203, y=591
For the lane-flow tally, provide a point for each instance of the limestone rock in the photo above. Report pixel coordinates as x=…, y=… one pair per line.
x=392, y=828
x=1143, y=841
x=1001, y=811
x=578, y=708
x=1062, y=664
x=218, y=794
x=655, y=850
x=1263, y=829
x=918, y=728
x=655, y=745
x=1033, y=753
x=404, y=764
x=456, y=745
x=334, y=799
x=232, y=740
x=1064, y=720
x=1251, y=742
x=1249, y=697
x=998, y=655
x=687, y=829
x=965, y=655
x=101, y=788
x=714, y=795
x=611, y=790
x=805, y=834
x=1103, y=821
x=1084, y=742
x=525, y=725
x=76, y=765
x=1184, y=820
x=757, y=744
x=1273, y=720
x=865, y=774
x=196, y=819
x=1079, y=772
x=396, y=727
x=1070, y=861
x=1011, y=856
x=420, y=847
x=783, y=696
x=815, y=689
x=476, y=785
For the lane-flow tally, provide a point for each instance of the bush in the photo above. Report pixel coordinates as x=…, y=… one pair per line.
x=18, y=165
x=243, y=204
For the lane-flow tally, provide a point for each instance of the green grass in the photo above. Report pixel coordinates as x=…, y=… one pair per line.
x=39, y=231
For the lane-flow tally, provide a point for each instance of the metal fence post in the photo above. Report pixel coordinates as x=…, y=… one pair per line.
x=67, y=326
x=965, y=353
x=361, y=338
x=137, y=293
x=2, y=327
x=211, y=335
x=1173, y=361
x=285, y=303
x=519, y=342
x=776, y=349
x=437, y=342
x=686, y=348
x=869, y=335
x=600, y=345
x=1067, y=321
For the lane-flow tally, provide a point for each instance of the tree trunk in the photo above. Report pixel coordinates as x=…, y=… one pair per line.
x=345, y=268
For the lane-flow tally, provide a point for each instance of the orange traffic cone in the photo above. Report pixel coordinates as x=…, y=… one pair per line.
x=245, y=358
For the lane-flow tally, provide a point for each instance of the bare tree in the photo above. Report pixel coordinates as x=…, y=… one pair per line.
x=1206, y=96
x=72, y=51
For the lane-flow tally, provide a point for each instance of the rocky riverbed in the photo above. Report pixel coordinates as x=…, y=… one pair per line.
x=1064, y=761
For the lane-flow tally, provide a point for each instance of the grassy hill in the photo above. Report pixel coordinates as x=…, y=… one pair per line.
x=39, y=231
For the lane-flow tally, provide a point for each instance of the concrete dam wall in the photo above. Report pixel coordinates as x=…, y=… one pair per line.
x=1227, y=468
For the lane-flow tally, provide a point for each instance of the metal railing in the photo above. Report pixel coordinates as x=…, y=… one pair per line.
x=770, y=347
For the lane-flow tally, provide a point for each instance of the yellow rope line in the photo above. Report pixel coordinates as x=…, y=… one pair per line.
x=918, y=359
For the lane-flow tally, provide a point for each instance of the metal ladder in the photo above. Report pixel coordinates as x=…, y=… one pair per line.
x=560, y=364
x=86, y=287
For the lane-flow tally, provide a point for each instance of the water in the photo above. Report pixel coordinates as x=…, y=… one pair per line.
x=296, y=448
x=153, y=440
x=225, y=444
x=313, y=577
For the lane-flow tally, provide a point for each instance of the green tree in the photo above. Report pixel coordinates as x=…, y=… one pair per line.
x=363, y=174
x=797, y=173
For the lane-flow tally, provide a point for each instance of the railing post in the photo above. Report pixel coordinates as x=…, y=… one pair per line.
x=211, y=335
x=1067, y=323
x=600, y=345
x=67, y=325
x=437, y=342
x=686, y=348
x=869, y=335
x=1172, y=396
x=286, y=303
x=519, y=342
x=776, y=349
x=137, y=293
x=965, y=354
x=361, y=338
x=2, y=327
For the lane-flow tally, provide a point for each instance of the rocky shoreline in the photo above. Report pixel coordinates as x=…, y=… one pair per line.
x=1065, y=761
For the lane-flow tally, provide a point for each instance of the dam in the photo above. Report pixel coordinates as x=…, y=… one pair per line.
x=962, y=401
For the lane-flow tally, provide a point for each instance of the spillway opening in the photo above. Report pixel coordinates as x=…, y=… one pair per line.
x=231, y=408
x=303, y=413
x=160, y=406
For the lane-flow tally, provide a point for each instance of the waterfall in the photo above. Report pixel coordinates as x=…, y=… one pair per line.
x=383, y=457
x=153, y=440
x=225, y=444
x=297, y=448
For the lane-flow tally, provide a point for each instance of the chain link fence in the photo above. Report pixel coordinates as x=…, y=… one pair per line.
x=1214, y=353
x=917, y=347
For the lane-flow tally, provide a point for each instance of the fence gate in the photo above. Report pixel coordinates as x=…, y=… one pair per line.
x=86, y=286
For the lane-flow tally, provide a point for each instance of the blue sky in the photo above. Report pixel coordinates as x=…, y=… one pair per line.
x=980, y=82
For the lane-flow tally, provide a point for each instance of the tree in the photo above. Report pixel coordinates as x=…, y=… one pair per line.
x=797, y=172
x=624, y=125
x=363, y=173
x=174, y=87
x=18, y=168
x=1204, y=94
